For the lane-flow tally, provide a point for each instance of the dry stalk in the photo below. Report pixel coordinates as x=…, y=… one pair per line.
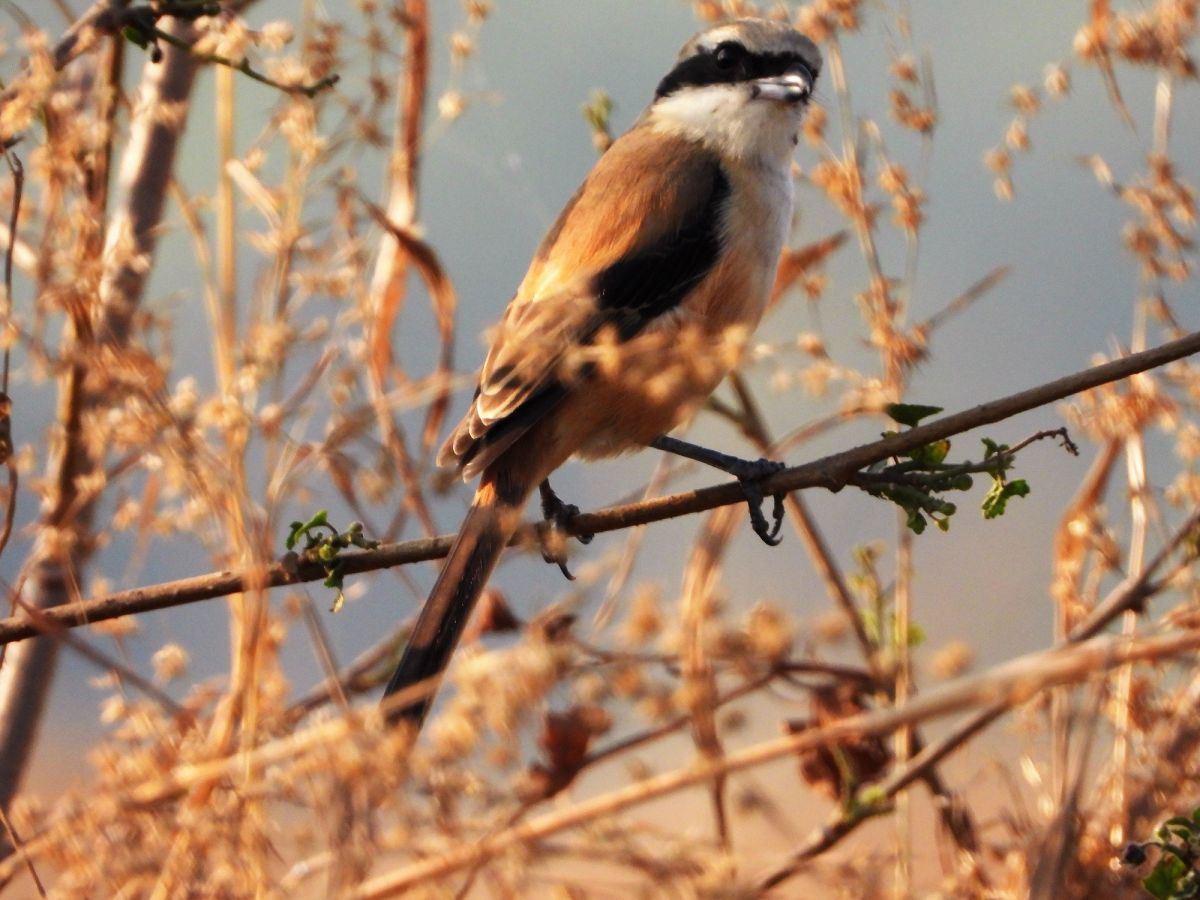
x=1130, y=594
x=51, y=575
x=1011, y=684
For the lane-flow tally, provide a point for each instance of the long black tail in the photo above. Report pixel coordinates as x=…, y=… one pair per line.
x=493, y=518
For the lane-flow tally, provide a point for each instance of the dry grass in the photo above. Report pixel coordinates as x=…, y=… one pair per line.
x=246, y=788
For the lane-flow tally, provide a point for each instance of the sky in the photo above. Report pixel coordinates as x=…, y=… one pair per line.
x=493, y=181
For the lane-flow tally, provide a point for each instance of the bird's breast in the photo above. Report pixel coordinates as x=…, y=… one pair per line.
x=756, y=218
x=648, y=385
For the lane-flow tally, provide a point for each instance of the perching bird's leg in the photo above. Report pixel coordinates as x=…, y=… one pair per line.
x=558, y=516
x=748, y=471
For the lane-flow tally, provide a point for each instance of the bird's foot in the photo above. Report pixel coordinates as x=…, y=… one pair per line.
x=554, y=531
x=747, y=471
x=750, y=473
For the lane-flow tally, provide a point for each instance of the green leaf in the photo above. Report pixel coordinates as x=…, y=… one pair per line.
x=931, y=454
x=135, y=36
x=325, y=548
x=338, y=602
x=296, y=529
x=999, y=494
x=910, y=414
x=1164, y=879
x=872, y=796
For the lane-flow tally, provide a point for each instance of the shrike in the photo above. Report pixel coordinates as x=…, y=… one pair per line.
x=637, y=303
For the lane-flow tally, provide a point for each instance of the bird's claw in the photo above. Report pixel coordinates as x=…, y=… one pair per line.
x=750, y=474
x=558, y=516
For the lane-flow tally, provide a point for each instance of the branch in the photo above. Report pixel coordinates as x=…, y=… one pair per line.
x=1129, y=594
x=1132, y=593
x=831, y=472
x=151, y=34
x=104, y=18
x=1010, y=683
x=288, y=570
x=60, y=550
x=834, y=472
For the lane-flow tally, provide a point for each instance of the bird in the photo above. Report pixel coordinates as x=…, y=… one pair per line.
x=637, y=303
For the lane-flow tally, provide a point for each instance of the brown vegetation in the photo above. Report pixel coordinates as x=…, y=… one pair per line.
x=244, y=787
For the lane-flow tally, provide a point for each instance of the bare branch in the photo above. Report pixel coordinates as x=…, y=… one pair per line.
x=1011, y=683
x=831, y=472
x=54, y=568
x=1130, y=594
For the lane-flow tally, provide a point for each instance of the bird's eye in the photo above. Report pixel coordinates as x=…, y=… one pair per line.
x=727, y=54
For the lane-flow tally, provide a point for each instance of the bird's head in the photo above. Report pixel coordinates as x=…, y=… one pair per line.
x=740, y=88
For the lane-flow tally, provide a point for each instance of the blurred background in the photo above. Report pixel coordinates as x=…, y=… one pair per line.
x=493, y=179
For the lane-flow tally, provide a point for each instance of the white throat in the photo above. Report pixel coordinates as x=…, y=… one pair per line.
x=726, y=119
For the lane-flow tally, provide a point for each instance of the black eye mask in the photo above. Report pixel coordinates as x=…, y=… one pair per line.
x=729, y=63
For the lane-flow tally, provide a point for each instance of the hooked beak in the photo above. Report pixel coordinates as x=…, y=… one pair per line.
x=793, y=86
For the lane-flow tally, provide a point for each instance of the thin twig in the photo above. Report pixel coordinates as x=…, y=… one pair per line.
x=954, y=818
x=965, y=299
x=1011, y=683
x=102, y=19
x=14, y=841
x=810, y=533
x=698, y=676
x=830, y=472
x=6, y=441
x=104, y=661
x=1130, y=594
x=900, y=777
x=353, y=679
x=308, y=90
